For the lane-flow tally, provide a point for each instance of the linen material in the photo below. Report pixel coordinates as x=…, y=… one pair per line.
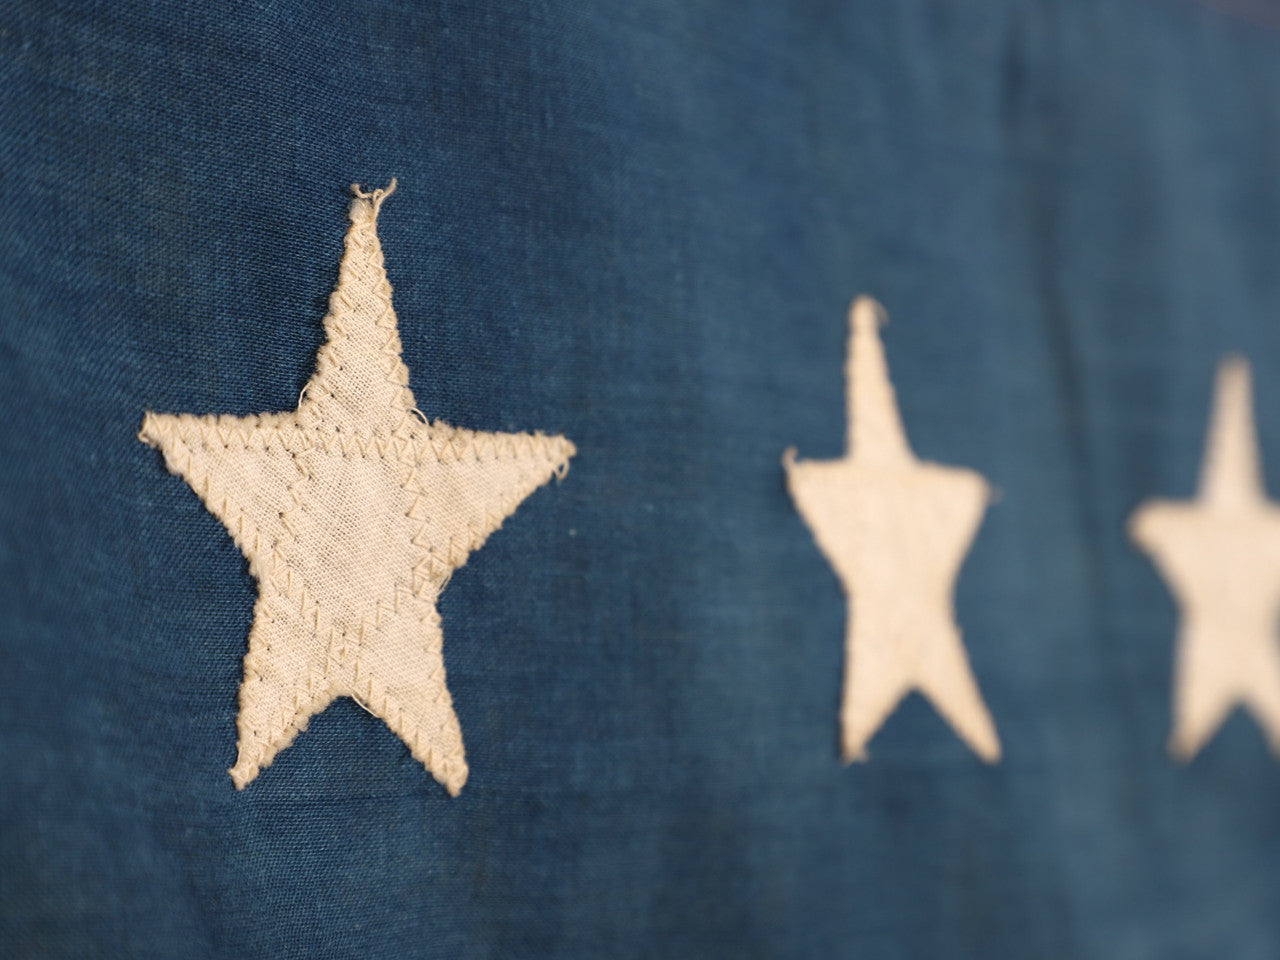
x=638, y=224
x=896, y=531
x=352, y=512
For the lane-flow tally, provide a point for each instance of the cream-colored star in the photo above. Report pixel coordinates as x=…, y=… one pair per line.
x=353, y=511
x=896, y=530
x=1220, y=555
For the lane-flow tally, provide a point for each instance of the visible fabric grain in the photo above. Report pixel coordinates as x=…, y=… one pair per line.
x=352, y=512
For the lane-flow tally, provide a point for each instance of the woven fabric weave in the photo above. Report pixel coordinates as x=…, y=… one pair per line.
x=638, y=223
x=353, y=512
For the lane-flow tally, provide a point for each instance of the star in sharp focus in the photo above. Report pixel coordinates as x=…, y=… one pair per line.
x=1220, y=555
x=353, y=511
x=896, y=530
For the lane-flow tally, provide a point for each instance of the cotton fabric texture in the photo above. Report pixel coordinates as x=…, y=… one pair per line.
x=639, y=225
x=353, y=512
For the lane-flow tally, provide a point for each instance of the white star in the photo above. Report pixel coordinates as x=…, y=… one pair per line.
x=1220, y=555
x=896, y=530
x=353, y=511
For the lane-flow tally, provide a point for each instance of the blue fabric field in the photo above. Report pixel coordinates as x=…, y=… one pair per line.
x=638, y=224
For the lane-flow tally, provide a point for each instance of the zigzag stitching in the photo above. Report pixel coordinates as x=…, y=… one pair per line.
x=407, y=442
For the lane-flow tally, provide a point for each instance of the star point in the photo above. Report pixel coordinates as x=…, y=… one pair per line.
x=896, y=530
x=353, y=511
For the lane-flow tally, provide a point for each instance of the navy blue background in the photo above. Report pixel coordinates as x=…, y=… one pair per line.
x=637, y=223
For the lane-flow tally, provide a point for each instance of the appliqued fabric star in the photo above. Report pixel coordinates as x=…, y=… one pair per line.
x=896, y=530
x=353, y=511
x=1220, y=555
